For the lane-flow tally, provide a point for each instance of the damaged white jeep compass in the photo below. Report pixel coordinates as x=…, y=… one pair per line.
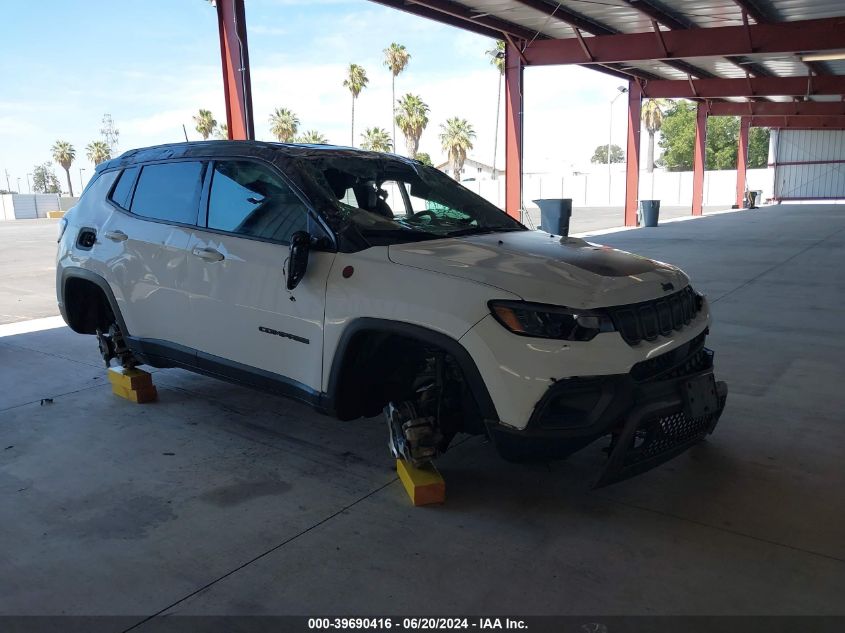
x=360, y=282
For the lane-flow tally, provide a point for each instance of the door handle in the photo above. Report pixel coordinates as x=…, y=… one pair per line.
x=116, y=236
x=208, y=254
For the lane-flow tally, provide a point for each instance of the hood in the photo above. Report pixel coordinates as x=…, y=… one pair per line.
x=538, y=267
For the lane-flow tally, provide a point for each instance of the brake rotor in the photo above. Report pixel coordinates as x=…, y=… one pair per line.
x=411, y=437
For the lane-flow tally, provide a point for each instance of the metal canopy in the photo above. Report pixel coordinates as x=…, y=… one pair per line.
x=774, y=63
x=662, y=39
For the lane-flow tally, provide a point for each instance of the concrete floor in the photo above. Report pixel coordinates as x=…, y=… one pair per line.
x=219, y=500
x=27, y=269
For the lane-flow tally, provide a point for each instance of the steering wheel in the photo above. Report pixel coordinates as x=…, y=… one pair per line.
x=427, y=213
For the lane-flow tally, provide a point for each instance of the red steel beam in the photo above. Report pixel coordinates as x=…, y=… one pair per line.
x=234, y=53
x=800, y=122
x=632, y=166
x=780, y=37
x=742, y=159
x=513, y=131
x=774, y=108
x=698, y=159
x=753, y=87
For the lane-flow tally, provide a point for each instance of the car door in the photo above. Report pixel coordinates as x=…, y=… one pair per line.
x=247, y=324
x=149, y=237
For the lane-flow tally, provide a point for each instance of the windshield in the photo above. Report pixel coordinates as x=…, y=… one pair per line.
x=391, y=201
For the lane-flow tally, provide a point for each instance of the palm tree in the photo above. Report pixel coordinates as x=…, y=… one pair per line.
x=396, y=57
x=64, y=154
x=412, y=117
x=222, y=132
x=456, y=139
x=497, y=58
x=376, y=139
x=356, y=80
x=284, y=124
x=424, y=158
x=653, y=119
x=313, y=137
x=98, y=151
x=205, y=123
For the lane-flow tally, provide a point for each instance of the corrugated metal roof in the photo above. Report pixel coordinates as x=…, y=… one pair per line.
x=552, y=19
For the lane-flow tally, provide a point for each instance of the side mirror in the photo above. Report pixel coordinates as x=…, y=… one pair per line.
x=300, y=246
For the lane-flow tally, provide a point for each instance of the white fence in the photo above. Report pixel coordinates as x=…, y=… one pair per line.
x=23, y=206
x=594, y=190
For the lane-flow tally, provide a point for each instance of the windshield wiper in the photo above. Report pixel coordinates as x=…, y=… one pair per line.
x=409, y=234
x=481, y=230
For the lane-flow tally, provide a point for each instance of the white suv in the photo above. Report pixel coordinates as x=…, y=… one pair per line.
x=360, y=282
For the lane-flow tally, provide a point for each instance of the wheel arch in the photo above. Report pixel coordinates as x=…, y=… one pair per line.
x=70, y=275
x=364, y=327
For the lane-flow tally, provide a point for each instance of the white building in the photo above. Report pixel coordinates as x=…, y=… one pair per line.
x=473, y=170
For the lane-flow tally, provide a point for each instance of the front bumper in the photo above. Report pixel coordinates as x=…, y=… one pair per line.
x=647, y=413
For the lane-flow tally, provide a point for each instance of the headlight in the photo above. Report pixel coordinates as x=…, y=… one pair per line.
x=546, y=321
x=62, y=226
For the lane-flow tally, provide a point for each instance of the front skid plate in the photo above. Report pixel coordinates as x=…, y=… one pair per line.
x=655, y=432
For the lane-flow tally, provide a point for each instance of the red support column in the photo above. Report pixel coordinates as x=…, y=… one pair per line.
x=698, y=159
x=234, y=54
x=742, y=159
x=513, y=132
x=632, y=169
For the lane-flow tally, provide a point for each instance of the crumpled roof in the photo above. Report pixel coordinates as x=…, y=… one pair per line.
x=292, y=159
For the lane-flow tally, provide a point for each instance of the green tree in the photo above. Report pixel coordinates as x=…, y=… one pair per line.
x=205, y=123
x=356, y=80
x=497, y=58
x=98, y=152
x=412, y=117
x=678, y=140
x=222, y=132
x=396, y=58
x=758, y=147
x=312, y=137
x=677, y=136
x=64, y=154
x=600, y=155
x=376, y=139
x=722, y=140
x=424, y=158
x=652, y=115
x=44, y=179
x=456, y=137
x=284, y=124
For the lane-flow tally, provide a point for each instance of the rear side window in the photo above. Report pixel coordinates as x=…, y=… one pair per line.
x=251, y=199
x=122, y=191
x=169, y=191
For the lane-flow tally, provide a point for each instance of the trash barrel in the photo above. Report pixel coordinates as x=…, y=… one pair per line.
x=649, y=212
x=753, y=198
x=750, y=199
x=555, y=214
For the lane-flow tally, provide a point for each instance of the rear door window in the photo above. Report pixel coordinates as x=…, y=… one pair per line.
x=169, y=191
x=250, y=199
x=122, y=191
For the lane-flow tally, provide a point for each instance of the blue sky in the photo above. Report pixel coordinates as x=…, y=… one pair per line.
x=152, y=64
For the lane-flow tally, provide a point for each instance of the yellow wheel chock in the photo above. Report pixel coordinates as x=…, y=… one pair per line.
x=133, y=384
x=424, y=484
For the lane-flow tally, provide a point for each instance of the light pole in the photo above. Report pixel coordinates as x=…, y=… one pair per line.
x=81, y=186
x=622, y=90
x=28, y=186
